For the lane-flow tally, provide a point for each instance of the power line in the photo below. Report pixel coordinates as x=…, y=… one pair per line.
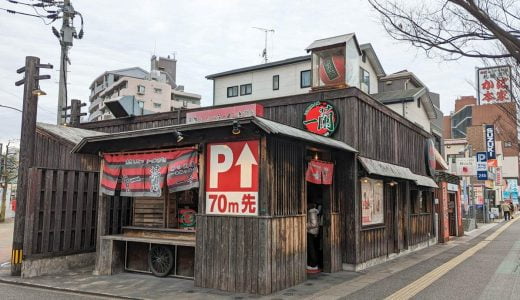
x=52, y=17
x=10, y=107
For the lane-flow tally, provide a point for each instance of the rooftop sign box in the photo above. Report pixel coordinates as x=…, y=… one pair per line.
x=223, y=113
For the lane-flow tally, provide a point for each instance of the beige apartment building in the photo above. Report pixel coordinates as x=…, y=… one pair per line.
x=147, y=92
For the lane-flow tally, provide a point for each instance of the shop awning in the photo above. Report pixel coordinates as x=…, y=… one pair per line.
x=120, y=141
x=281, y=129
x=425, y=181
x=375, y=167
x=380, y=168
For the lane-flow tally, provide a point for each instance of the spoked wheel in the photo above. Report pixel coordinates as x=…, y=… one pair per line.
x=160, y=259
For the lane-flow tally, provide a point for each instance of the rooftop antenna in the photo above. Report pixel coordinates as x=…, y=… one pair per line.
x=266, y=31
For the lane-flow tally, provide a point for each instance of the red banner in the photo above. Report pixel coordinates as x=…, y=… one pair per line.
x=319, y=172
x=140, y=174
x=183, y=171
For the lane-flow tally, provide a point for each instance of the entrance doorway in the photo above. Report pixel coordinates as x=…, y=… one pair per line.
x=318, y=197
x=452, y=215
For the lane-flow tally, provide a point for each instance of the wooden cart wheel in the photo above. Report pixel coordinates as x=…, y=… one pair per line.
x=160, y=260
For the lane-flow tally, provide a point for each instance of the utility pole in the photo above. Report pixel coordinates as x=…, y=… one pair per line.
x=264, y=52
x=75, y=112
x=66, y=37
x=27, y=139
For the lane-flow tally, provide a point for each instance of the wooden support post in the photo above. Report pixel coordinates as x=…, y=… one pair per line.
x=407, y=214
x=27, y=139
x=102, y=211
x=75, y=112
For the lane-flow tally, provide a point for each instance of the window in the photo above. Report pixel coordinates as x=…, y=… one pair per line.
x=232, y=91
x=276, y=82
x=508, y=144
x=246, y=89
x=140, y=89
x=305, y=79
x=156, y=105
x=157, y=90
x=364, y=80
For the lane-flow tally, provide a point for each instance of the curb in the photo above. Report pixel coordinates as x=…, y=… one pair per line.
x=72, y=291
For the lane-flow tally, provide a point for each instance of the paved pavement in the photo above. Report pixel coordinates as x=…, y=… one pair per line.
x=6, y=241
x=491, y=264
x=16, y=292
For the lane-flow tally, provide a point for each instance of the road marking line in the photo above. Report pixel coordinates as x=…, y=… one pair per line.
x=420, y=284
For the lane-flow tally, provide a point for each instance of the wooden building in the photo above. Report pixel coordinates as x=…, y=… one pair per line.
x=225, y=195
x=379, y=205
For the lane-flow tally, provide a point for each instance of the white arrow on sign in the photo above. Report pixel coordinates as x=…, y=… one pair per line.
x=246, y=160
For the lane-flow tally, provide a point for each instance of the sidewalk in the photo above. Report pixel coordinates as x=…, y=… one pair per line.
x=321, y=286
x=6, y=240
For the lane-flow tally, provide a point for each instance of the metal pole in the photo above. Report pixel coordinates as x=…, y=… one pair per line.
x=62, y=92
x=28, y=132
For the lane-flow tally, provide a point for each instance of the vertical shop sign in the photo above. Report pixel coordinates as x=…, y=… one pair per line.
x=490, y=142
x=494, y=85
x=482, y=166
x=232, y=178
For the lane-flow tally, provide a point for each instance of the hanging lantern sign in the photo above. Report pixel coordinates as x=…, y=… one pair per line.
x=321, y=118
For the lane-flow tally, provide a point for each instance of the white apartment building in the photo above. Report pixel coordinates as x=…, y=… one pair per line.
x=152, y=92
x=293, y=76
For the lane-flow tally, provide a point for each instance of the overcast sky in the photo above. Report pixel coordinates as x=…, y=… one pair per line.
x=207, y=37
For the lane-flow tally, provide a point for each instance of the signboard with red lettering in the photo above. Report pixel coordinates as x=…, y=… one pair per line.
x=494, y=85
x=232, y=178
x=224, y=113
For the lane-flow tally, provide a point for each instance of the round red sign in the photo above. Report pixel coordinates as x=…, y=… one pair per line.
x=320, y=117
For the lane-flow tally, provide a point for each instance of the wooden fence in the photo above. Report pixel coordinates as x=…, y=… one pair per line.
x=62, y=212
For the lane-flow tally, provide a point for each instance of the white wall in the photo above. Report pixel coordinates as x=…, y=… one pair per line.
x=413, y=113
x=262, y=83
x=510, y=166
x=262, y=80
x=373, y=77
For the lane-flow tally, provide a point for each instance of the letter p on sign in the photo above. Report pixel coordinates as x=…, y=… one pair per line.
x=232, y=178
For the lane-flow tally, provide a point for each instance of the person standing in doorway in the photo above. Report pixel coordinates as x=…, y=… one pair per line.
x=312, y=238
x=507, y=211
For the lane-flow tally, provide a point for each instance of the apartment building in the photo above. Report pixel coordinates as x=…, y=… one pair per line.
x=151, y=92
x=293, y=76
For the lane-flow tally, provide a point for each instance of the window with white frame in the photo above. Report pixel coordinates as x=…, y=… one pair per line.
x=140, y=89
x=364, y=80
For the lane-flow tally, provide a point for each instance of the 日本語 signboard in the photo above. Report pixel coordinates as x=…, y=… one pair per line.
x=490, y=141
x=232, y=178
x=482, y=166
x=224, y=113
x=321, y=118
x=510, y=191
x=466, y=166
x=494, y=85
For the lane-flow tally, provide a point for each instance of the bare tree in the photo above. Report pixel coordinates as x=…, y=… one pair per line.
x=488, y=30
x=455, y=28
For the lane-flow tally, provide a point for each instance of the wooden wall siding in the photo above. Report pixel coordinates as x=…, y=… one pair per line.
x=370, y=127
x=373, y=244
x=148, y=212
x=250, y=255
x=53, y=153
x=345, y=189
x=373, y=133
x=61, y=212
x=136, y=123
x=119, y=214
x=332, y=250
x=285, y=178
x=420, y=228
